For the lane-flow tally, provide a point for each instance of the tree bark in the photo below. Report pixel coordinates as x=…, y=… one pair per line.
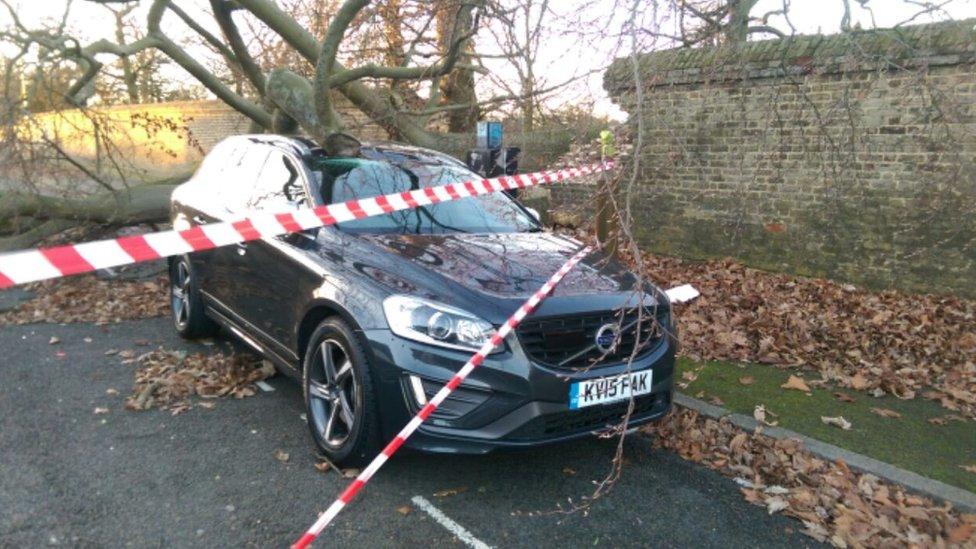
x=128, y=74
x=738, y=30
x=147, y=203
x=457, y=87
x=31, y=237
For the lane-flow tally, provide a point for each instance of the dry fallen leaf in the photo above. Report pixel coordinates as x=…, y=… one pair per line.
x=797, y=383
x=350, y=473
x=838, y=421
x=844, y=397
x=404, y=510
x=323, y=466
x=100, y=410
x=450, y=492
x=944, y=420
x=179, y=408
x=885, y=412
x=961, y=533
x=281, y=455
x=760, y=413
x=970, y=468
x=111, y=391
x=569, y=471
x=54, y=340
x=859, y=382
x=747, y=380
x=776, y=504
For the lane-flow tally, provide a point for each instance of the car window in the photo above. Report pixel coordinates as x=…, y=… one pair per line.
x=278, y=187
x=345, y=179
x=239, y=176
x=216, y=161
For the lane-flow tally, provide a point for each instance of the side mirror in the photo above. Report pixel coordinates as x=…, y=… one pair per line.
x=535, y=213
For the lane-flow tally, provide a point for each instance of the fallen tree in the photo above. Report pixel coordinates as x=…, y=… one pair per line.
x=49, y=215
x=286, y=99
x=296, y=98
x=145, y=203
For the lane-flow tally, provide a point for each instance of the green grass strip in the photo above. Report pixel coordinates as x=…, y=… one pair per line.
x=909, y=442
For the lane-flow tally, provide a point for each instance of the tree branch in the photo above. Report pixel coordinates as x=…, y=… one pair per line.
x=223, y=12
x=198, y=71
x=324, y=68
x=210, y=38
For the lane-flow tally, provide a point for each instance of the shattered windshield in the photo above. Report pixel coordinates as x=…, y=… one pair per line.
x=343, y=179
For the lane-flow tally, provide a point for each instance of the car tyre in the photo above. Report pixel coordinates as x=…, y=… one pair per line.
x=340, y=404
x=189, y=316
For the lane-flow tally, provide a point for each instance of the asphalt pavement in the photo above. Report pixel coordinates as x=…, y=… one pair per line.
x=71, y=477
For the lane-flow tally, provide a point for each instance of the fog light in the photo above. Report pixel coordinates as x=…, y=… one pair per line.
x=418, y=390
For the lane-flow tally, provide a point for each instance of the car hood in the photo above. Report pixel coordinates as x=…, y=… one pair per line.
x=504, y=269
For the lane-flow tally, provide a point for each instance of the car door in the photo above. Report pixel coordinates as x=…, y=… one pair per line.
x=273, y=286
x=229, y=268
x=206, y=205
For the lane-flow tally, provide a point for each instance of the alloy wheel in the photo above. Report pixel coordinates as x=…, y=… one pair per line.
x=333, y=393
x=180, y=294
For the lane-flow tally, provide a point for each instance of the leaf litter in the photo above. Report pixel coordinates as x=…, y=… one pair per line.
x=168, y=379
x=87, y=298
x=908, y=345
x=835, y=504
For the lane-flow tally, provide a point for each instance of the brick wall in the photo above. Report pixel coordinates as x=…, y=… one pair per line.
x=846, y=156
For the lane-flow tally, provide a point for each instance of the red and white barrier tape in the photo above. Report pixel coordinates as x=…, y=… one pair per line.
x=475, y=361
x=44, y=263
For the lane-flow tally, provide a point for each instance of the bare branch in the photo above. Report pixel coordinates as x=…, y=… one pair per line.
x=223, y=14
x=198, y=71
x=204, y=33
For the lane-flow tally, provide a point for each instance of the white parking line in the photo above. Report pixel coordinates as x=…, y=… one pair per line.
x=462, y=534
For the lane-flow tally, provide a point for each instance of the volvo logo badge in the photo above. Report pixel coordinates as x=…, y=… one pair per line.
x=606, y=337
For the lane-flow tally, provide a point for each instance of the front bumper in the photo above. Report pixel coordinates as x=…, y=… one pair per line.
x=509, y=401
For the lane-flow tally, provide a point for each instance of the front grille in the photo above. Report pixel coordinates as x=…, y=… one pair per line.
x=568, y=342
x=592, y=418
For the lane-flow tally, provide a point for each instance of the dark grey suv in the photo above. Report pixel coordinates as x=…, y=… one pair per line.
x=374, y=315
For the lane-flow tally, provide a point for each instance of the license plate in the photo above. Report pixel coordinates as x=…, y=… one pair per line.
x=609, y=389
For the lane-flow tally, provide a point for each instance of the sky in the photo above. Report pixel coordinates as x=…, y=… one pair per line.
x=583, y=37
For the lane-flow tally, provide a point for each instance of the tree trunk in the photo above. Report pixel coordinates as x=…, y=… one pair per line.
x=528, y=104
x=738, y=29
x=148, y=203
x=457, y=87
x=128, y=73
x=607, y=218
x=29, y=238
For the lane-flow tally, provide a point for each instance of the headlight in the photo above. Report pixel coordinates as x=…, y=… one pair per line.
x=435, y=323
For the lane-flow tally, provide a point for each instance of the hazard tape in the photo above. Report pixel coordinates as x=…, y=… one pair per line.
x=513, y=321
x=55, y=262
